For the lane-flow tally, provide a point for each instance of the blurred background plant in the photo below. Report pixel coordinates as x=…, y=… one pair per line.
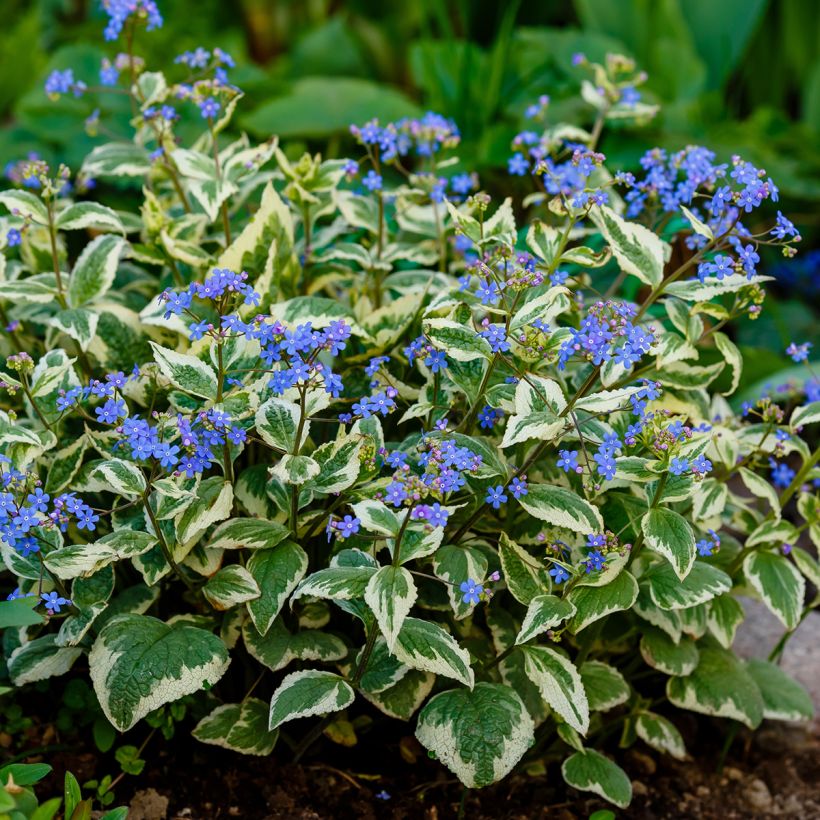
x=738, y=76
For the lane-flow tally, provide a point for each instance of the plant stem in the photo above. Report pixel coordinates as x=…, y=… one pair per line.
x=166, y=551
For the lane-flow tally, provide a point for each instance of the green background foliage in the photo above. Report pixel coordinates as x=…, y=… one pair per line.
x=741, y=76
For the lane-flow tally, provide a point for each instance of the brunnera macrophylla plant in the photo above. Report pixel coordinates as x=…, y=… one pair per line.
x=349, y=432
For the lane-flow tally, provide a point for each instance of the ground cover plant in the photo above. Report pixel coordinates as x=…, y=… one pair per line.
x=350, y=432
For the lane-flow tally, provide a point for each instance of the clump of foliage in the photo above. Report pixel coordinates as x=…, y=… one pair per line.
x=346, y=430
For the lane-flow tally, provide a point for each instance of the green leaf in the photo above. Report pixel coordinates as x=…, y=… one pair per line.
x=559, y=683
x=120, y=477
x=456, y=564
x=82, y=215
x=524, y=577
x=336, y=583
x=117, y=159
x=240, y=727
x=95, y=269
x=339, y=465
x=306, y=693
x=40, y=659
x=590, y=771
x=78, y=560
x=90, y=598
x=480, y=735
x=230, y=586
x=639, y=251
x=561, y=508
x=292, y=469
x=724, y=617
x=319, y=106
x=606, y=400
x=383, y=669
x=78, y=323
x=25, y=204
x=401, y=700
x=213, y=503
x=669, y=534
x=538, y=403
x=427, y=647
x=668, y=656
x=377, y=517
x=186, y=372
x=248, y=533
x=703, y=583
x=139, y=663
x=593, y=603
x=544, y=612
x=458, y=341
x=720, y=686
x=277, y=572
x=20, y=612
x=604, y=685
x=699, y=227
x=778, y=583
x=278, y=647
x=807, y=565
x=660, y=734
x=761, y=488
x=277, y=420
x=807, y=414
x=783, y=697
x=391, y=593
x=732, y=357
x=24, y=774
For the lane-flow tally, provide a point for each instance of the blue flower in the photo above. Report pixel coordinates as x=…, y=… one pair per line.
x=799, y=353
x=559, y=574
x=495, y=496
x=517, y=165
x=472, y=591
x=372, y=181
x=519, y=487
x=348, y=526
x=395, y=493
x=54, y=601
x=488, y=416
x=13, y=237
x=496, y=335
x=782, y=475
x=436, y=360
x=568, y=461
x=595, y=561
x=701, y=465
x=606, y=463
x=678, y=466
x=209, y=108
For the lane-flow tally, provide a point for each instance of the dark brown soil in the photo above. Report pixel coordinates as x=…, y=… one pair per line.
x=774, y=773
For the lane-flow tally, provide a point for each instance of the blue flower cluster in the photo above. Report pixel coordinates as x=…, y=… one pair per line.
x=25, y=508
x=424, y=137
x=599, y=338
x=444, y=467
x=565, y=167
x=120, y=10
